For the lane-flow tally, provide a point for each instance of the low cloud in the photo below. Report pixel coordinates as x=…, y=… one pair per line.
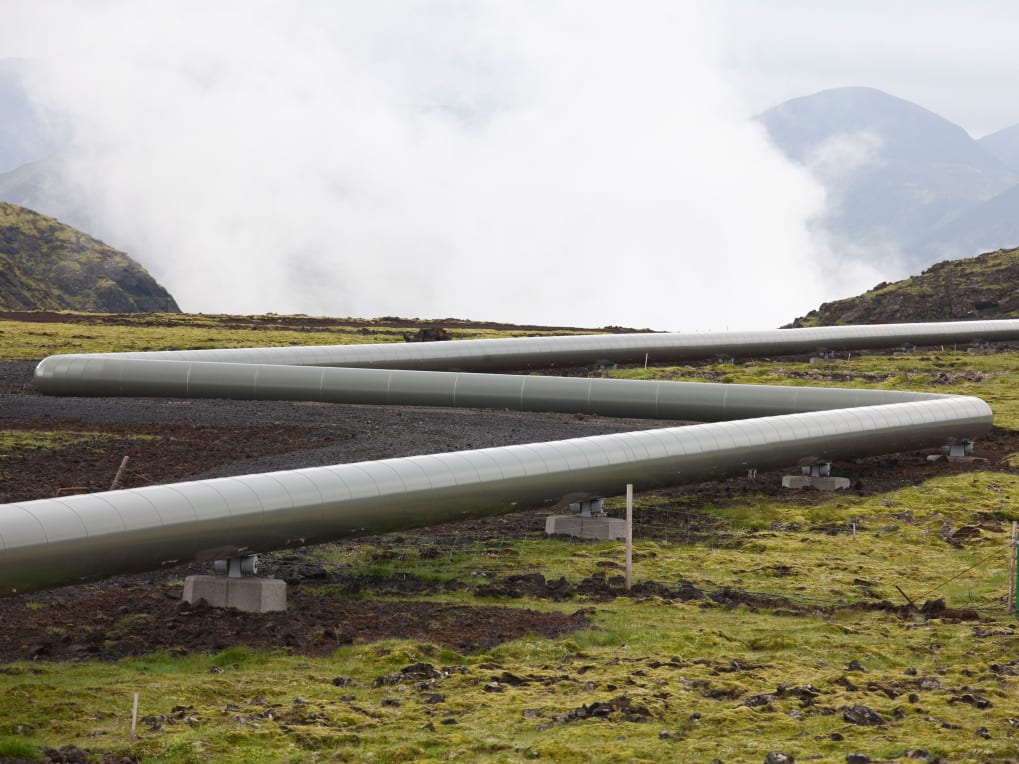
x=837, y=158
x=553, y=162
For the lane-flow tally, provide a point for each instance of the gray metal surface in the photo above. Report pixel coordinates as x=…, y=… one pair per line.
x=695, y=401
x=519, y=353
x=542, y=352
x=60, y=541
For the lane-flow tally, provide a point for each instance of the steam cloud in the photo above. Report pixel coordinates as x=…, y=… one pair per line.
x=580, y=163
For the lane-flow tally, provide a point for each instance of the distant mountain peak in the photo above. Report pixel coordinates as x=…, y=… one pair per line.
x=906, y=128
x=896, y=174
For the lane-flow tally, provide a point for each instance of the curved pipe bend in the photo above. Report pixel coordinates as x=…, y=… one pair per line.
x=51, y=542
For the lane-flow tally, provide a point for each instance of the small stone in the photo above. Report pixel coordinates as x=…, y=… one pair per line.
x=663, y=735
x=857, y=758
x=777, y=757
x=983, y=732
x=341, y=681
x=855, y=665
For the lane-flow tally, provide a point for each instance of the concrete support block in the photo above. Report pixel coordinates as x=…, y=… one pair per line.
x=250, y=594
x=826, y=483
x=603, y=528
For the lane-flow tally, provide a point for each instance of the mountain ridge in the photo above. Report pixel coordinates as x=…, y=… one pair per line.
x=981, y=287
x=1004, y=144
x=47, y=265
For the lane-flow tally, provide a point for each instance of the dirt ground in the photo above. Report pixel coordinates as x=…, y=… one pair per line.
x=170, y=440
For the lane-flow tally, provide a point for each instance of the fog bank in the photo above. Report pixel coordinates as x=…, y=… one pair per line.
x=547, y=162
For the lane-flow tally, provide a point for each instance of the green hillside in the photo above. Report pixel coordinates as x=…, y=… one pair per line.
x=982, y=287
x=46, y=265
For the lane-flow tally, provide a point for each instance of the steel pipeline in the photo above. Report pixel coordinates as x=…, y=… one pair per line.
x=51, y=542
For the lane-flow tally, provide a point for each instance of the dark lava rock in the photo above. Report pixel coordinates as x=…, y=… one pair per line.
x=862, y=715
x=974, y=700
x=69, y=754
x=756, y=701
x=806, y=693
x=618, y=708
x=297, y=572
x=421, y=671
x=512, y=679
x=920, y=753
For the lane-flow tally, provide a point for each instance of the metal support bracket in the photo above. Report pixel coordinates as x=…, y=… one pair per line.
x=959, y=450
x=238, y=567
x=588, y=507
x=819, y=469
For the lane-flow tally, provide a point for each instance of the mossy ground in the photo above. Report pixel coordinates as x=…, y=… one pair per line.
x=96, y=333
x=701, y=679
x=12, y=441
x=953, y=290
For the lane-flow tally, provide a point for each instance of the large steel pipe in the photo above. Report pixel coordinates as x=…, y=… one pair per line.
x=59, y=541
x=545, y=352
x=695, y=401
x=52, y=542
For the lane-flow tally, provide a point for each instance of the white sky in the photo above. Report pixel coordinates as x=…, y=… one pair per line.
x=579, y=162
x=957, y=58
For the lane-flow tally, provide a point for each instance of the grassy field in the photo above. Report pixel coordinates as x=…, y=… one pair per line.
x=814, y=664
